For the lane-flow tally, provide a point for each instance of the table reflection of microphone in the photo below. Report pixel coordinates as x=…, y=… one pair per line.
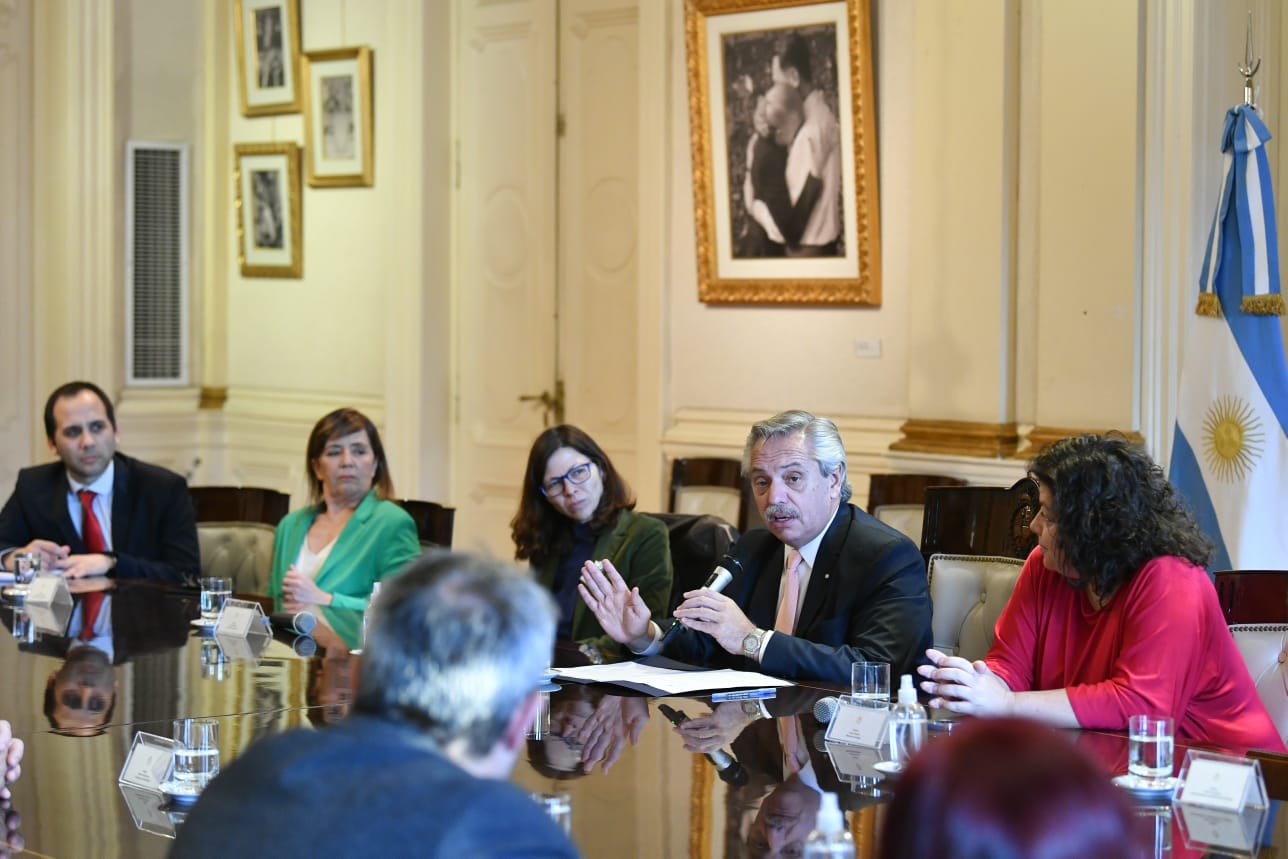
x=719, y=579
x=727, y=767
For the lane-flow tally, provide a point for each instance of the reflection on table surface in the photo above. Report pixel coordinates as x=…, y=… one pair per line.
x=675, y=777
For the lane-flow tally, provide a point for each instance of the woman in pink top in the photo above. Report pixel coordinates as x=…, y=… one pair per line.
x=1113, y=614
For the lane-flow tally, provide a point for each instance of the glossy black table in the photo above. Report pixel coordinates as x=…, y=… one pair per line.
x=653, y=799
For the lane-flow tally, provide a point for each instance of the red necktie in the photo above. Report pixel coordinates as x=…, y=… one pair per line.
x=90, y=607
x=91, y=532
x=786, y=620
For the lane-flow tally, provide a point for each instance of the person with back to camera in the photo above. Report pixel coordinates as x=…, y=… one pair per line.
x=1003, y=788
x=1113, y=614
x=576, y=510
x=449, y=687
x=351, y=535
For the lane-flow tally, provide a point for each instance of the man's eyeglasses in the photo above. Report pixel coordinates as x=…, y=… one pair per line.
x=577, y=475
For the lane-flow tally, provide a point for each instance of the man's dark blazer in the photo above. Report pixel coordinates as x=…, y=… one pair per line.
x=154, y=531
x=364, y=787
x=868, y=601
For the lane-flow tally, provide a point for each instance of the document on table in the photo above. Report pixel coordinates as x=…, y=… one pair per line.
x=660, y=676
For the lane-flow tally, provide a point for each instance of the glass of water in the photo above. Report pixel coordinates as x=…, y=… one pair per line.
x=26, y=565
x=870, y=681
x=196, y=757
x=1150, y=745
x=214, y=593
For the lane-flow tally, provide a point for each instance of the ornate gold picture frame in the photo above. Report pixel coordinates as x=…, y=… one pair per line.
x=266, y=177
x=782, y=120
x=338, y=117
x=268, y=56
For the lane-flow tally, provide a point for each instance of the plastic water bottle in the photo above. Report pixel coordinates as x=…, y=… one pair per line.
x=830, y=839
x=907, y=724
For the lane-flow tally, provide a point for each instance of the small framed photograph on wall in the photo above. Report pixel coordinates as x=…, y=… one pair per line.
x=268, y=56
x=267, y=181
x=782, y=120
x=338, y=117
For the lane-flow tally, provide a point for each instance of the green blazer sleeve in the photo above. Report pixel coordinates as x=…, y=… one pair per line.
x=376, y=542
x=639, y=547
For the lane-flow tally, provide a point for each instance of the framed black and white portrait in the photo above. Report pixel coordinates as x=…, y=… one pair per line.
x=784, y=151
x=268, y=56
x=267, y=181
x=338, y=117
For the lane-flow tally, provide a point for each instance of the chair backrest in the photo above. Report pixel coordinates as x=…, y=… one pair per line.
x=968, y=593
x=1264, y=647
x=711, y=485
x=886, y=489
x=899, y=500
x=434, y=522
x=1253, y=596
x=239, y=504
x=241, y=551
x=697, y=544
x=980, y=520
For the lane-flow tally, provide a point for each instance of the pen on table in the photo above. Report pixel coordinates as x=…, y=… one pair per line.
x=745, y=695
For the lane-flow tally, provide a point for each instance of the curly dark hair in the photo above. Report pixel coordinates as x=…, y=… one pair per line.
x=1114, y=510
x=540, y=531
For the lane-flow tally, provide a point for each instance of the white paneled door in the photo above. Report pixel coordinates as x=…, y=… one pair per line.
x=547, y=193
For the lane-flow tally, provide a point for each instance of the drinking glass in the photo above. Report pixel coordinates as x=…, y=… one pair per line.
x=196, y=758
x=541, y=723
x=24, y=628
x=1150, y=745
x=558, y=806
x=25, y=567
x=214, y=593
x=870, y=681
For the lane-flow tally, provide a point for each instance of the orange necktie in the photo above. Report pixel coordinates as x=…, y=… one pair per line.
x=786, y=620
x=91, y=531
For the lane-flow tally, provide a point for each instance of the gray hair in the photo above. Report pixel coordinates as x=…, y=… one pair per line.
x=454, y=644
x=820, y=434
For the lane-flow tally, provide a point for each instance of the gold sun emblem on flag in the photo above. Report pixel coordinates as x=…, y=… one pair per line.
x=1232, y=438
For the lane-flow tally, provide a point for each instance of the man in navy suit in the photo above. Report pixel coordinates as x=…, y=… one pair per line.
x=825, y=586
x=449, y=687
x=95, y=511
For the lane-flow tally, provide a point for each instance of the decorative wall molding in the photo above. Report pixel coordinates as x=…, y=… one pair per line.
x=257, y=438
x=1039, y=437
x=960, y=438
x=868, y=441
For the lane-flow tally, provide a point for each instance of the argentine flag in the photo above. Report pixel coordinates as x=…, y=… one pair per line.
x=1230, y=456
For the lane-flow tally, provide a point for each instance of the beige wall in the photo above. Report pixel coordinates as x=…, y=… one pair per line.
x=1020, y=141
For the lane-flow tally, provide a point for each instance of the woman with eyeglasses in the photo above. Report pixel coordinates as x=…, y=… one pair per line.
x=575, y=510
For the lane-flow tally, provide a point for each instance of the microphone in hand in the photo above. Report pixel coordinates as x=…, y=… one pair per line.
x=727, y=767
x=719, y=579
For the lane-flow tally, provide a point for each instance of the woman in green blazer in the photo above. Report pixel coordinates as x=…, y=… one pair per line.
x=575, y=509
x=351, y=536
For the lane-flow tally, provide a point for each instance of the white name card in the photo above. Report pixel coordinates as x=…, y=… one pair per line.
x=851, y=762
x=1225, y=830
x=1220, y=781
x=148, y=808
x=859, y=723
x=148, y=762
x=48, y=589
x=241, y=619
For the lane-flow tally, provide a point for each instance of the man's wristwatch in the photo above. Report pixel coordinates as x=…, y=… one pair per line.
x=751, y=643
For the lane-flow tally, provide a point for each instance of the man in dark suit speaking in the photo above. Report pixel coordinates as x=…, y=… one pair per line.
x=825, y=586
x=97, y=511
x=449, y=688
